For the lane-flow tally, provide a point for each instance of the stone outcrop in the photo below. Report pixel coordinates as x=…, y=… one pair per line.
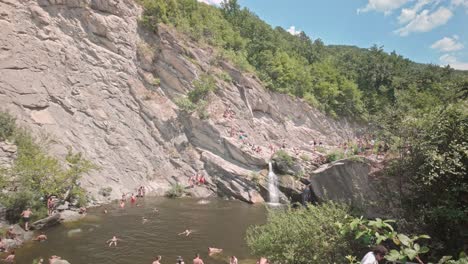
x=85, y=71
x=345, y=181
x=7, y=154
x=46, y=222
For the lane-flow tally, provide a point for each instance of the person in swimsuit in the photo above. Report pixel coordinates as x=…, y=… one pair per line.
x=41, y=237
x=233, y=260
x=10, y=258
x=133, y=199
x=187, y=232
x=180, y=260
x=122, y=203
x=158, y=258
x=50, y=205
x=212, y=251
x=197, y=259
x=26, y=214
x=113, y=240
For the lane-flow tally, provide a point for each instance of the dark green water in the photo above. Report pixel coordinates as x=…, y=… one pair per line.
x=220, y=224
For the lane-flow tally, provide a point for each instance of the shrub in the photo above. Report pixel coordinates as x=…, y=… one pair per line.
x=202, y=87
x=16, y=202
x=255, y=178
x=306, y=235
x=225, y=77
x=176, y=190
x=156, y=81
x=334, y=155
x=283, y=156
x=185, y=104
x=7, y=126
x=305, y=157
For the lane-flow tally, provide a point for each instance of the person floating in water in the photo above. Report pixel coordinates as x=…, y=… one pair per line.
x=113, y=240
x=187, y=232
x=212, y=250
x=158, y=258
x=122, y=203
x=144, y=220
x=41, y=237
x=197, y=259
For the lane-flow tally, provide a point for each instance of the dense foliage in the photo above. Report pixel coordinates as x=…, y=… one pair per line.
x=342, y=81
x=329, y=234
x=35, y=175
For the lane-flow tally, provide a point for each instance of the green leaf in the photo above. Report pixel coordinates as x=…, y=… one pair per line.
x=411, y=253
x=423, y=250
x=404, y=239
x=394, y=255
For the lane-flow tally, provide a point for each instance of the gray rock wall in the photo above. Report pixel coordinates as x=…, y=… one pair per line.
x=345, y=181
x=83, y=72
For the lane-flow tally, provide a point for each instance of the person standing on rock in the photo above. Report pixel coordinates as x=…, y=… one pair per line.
x=197, y=259
x=26, y=214
x=50, y=205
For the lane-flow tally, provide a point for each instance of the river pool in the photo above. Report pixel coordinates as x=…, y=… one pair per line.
x=217, y=223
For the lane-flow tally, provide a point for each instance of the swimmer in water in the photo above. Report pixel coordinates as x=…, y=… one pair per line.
x=187, y=232
x=155, y=210
x=144, y=220
x=113, y=240
x=122, y=204
x=212, y=251
x=42, y=237
x=233, y=260
x=158, y=258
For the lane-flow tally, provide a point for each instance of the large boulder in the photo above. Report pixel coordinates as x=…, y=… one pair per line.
x=46, y=222
x=344, y=181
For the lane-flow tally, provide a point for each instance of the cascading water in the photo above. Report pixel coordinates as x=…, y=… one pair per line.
x=272, y=185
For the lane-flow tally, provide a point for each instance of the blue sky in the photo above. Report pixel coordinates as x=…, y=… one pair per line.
x=427, y=31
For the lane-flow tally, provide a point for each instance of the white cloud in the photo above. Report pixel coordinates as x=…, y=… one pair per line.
x=293, y=31
x=463, y=3
x=448, y=59
x=385, y=6
x=447, y=44
x=211, y=2
x=408, y=14
x=426, y=21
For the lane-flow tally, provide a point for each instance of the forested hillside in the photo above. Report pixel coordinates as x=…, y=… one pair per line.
x=419, y=110
x=340, y=80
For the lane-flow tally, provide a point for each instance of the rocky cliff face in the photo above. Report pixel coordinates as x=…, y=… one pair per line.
x=84, y=71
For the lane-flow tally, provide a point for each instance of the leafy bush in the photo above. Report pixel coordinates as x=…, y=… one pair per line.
x=305, y=157
x=16, y=202
x=225, y=77
x=185, y=104
x=7, y=126
x=283, y=156
x=335, y=155
x=306, y=235
x=176, y=191
x=202, y=87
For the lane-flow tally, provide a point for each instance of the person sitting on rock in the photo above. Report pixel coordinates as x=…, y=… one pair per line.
x=202, y=180
x=82, y=210
x=10, y=234
x=2, y=245
x=374, y=256
x=42, y=237
x=10, y=258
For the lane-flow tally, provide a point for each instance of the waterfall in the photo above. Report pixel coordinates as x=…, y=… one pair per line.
x=272, y=185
